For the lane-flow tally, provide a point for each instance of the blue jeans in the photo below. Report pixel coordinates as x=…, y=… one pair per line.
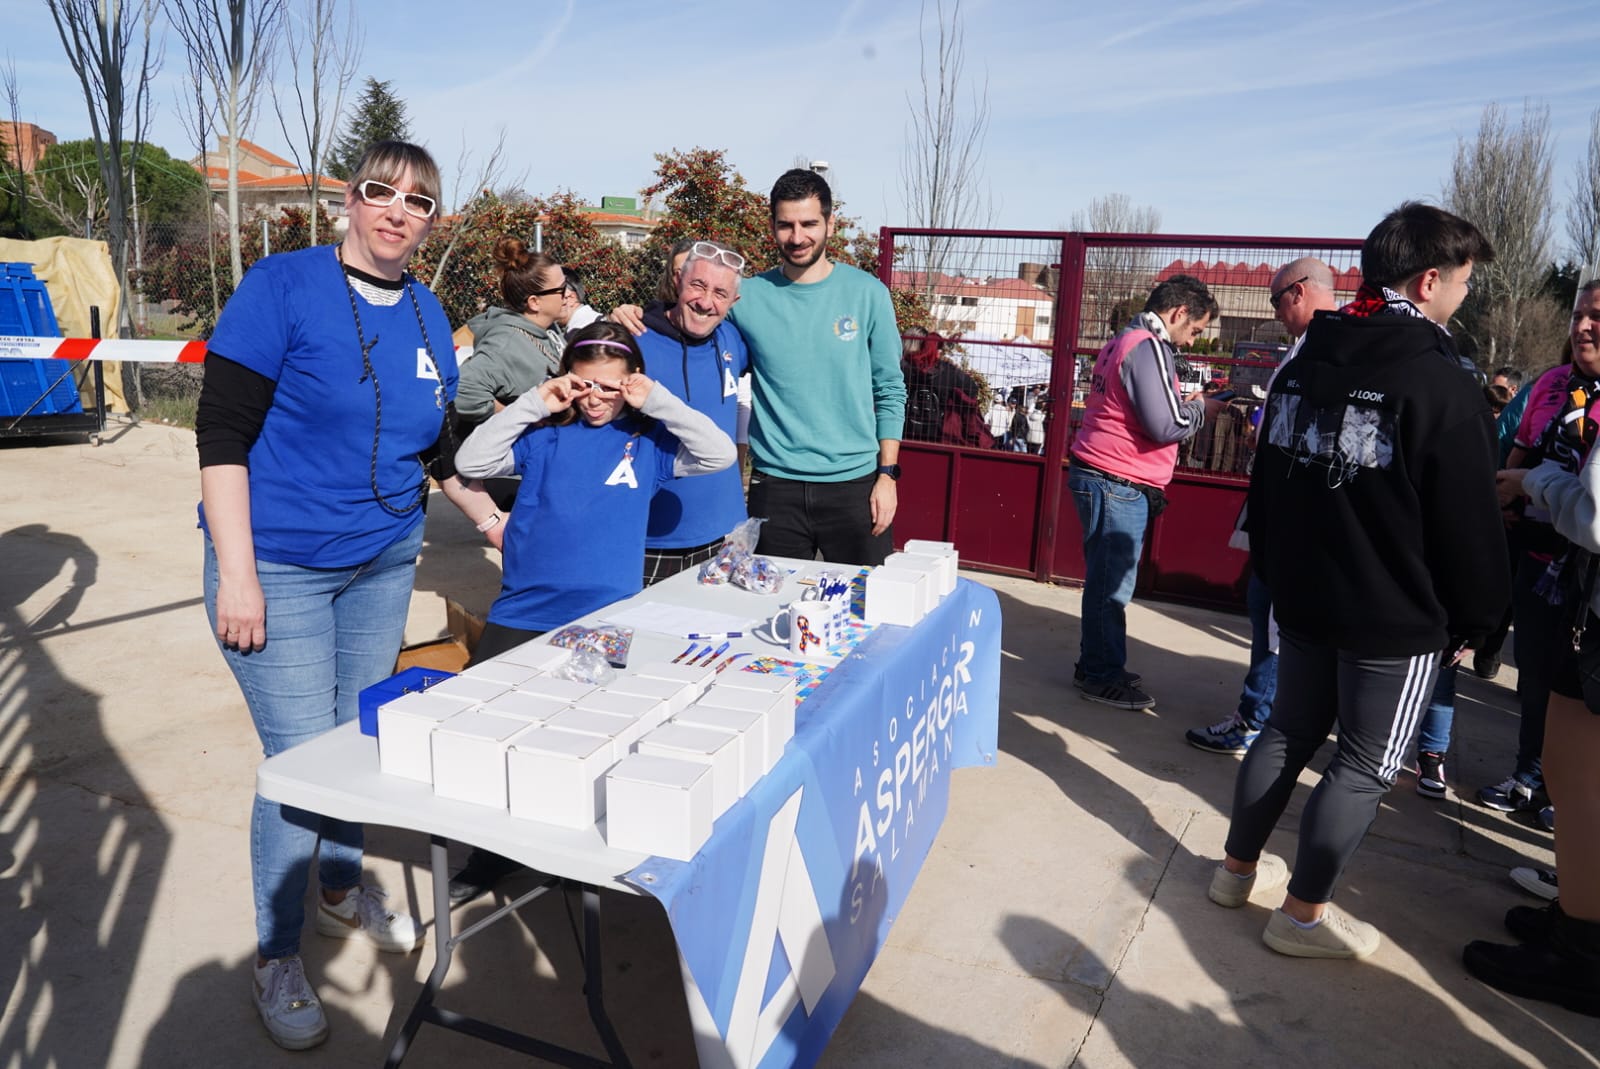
x=330, y=633
x=1434, y=734
x=1261, y=681
x=1113, y=517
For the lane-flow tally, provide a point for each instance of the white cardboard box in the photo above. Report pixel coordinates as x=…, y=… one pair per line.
x=479, y=690
x=404, y=728
x=764, y=682
x=525, y=705
x=776, y=712
x=941, y=577
x=699, y=678
x=621, y=730
x=945, y=551
x=750, y=728
x=676, y=694
x=535, y=655
x=469, y=757
x=558, y=777
x=711, y=747
x=895, y=596
x=658, y=805
x=650, y=712
x=567, y=690
x=502, y=672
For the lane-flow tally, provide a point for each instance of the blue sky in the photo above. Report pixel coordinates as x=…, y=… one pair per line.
x=1229, y=116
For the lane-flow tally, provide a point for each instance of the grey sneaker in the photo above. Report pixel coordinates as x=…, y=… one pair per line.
x=1233, y=891
x=1337, y=936
x=363, y=914
x=287, y=1005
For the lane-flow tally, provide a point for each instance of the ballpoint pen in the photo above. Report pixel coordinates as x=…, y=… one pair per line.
x=717, y=634
x=692, y=647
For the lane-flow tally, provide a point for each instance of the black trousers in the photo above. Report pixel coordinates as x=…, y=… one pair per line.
x=808, y=518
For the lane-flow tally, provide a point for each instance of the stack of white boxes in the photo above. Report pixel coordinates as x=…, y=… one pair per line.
x=908, y=585
x=659, y=753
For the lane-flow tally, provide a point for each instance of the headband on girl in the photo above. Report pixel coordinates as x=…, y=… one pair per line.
x=604, y=341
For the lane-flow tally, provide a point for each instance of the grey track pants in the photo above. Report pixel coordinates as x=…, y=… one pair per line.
x=1377, y=703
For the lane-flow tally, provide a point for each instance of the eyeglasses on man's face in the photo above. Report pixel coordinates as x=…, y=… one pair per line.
x=381, y=195
x=1279, y=295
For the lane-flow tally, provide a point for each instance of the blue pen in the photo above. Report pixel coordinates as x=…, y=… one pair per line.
x=692, y=647
x=718, y=634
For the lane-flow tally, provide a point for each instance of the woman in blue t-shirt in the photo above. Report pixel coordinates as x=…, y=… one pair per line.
x=326, y=381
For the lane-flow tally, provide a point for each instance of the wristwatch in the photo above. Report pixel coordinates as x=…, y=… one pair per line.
x=891, y=470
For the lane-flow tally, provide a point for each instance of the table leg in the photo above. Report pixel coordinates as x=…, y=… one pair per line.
x=593, y=975
x=443, y=951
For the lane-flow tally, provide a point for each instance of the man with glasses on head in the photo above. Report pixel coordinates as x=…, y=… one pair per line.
x=829, y=399
x=699, y=358
x=1299, y=290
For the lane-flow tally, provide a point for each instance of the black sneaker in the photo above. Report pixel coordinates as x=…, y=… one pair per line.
x=1430, y=775
x=1564, y=968
x=1132, y=679
x=1120, y=695
x=478, y=876
x=1531, y=924
x=1486, y=667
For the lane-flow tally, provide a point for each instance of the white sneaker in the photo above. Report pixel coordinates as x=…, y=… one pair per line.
x=288, y=1007
x=1337, y=935
x=362, y=913
x=1234, y=891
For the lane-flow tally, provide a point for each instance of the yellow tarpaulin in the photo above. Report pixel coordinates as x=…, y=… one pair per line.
x=78, y=274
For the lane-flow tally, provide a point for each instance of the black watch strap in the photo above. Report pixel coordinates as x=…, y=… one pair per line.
x=891, y=470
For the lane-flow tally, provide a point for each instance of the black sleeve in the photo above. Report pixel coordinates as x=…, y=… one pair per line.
x=233, y=406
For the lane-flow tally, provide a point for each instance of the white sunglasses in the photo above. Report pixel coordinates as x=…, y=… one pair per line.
x=381, y=195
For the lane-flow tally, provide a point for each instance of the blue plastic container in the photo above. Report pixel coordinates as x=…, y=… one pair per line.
x=408, y=681
x=32, y=387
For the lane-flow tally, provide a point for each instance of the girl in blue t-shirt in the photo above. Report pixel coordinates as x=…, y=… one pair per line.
x=592, y=447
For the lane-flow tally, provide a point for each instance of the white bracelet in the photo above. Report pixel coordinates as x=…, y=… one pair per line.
x=488, y=525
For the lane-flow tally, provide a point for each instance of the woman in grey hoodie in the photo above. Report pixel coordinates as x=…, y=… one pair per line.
x=513, y=347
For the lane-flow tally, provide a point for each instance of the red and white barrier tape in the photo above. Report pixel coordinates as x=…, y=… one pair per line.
x=151, y=352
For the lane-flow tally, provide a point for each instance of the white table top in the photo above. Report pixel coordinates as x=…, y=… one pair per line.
x=337, y=774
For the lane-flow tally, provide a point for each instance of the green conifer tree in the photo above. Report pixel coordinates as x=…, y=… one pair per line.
x=378, y=116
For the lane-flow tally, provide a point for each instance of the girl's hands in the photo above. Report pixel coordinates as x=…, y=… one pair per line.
x=560, y=392
x=635, y=388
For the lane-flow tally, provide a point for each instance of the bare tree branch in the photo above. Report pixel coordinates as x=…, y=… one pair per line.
x=1114, y=275
x=108, y=45
x=234, y=42
x=324, y=51
x=941, y=163
x=487, y=177
x=1583, y=210
x=1501, y=183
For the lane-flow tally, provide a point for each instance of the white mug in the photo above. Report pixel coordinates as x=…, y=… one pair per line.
x=809, y=627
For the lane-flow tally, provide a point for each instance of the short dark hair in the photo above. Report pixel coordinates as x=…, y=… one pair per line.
x=1182, y=291
x=1415, y=237
x=801, y=184
x=1510, y=373
x=574, y=283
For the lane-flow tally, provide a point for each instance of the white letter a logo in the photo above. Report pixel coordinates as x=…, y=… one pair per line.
x=622, y=474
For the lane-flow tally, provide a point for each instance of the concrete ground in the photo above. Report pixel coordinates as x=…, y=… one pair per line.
x=1060, y=921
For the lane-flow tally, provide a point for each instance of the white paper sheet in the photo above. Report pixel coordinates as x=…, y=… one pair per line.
x=678, y=620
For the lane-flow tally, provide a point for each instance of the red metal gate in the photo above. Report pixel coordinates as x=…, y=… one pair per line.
x=1017, y=309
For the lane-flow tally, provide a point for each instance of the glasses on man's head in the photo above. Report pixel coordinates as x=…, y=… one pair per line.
x=382, y=194
x=1279, y=295
x=704, y=250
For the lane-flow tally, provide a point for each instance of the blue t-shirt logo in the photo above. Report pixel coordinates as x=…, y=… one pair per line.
x=845, y=329
x=622, y=474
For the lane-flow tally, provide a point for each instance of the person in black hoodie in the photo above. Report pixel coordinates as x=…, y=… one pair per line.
x=1374, y=523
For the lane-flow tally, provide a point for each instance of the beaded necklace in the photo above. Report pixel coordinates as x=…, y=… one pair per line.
x=377, y=390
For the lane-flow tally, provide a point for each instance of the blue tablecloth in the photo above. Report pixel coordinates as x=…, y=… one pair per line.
x=780, y=915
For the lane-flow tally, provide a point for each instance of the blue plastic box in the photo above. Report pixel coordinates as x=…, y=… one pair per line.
x=406, y=682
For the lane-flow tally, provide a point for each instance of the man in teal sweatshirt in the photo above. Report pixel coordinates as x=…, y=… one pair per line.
x=828, y=400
